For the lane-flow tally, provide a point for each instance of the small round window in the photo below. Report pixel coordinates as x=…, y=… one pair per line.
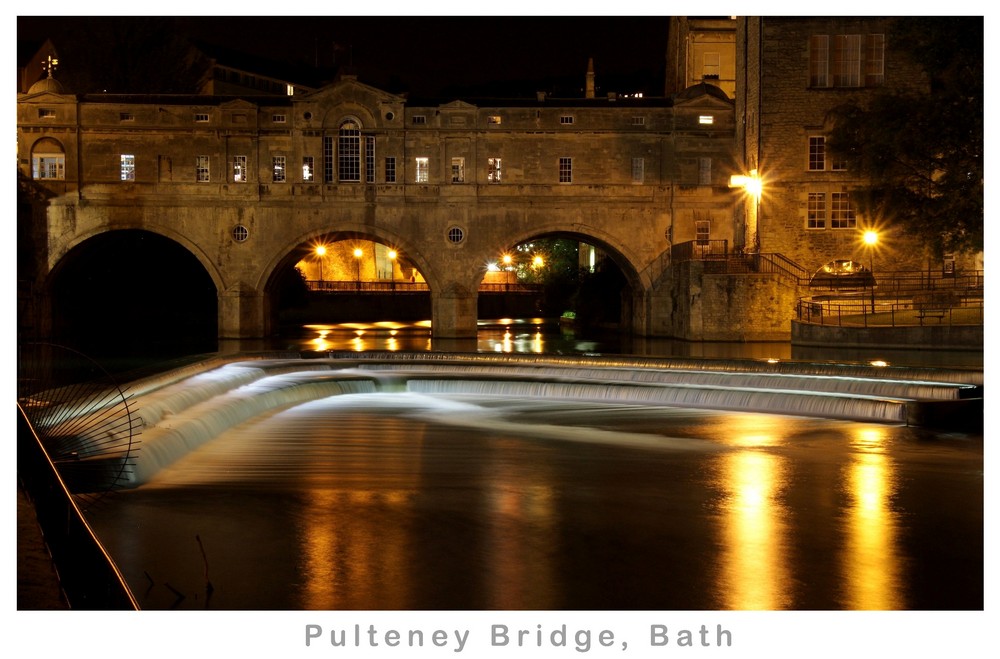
x=456, y=235
x=240, y=233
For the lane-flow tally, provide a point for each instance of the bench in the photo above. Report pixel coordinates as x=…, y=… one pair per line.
x=931, y=313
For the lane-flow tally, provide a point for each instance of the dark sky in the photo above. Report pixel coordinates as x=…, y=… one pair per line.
x=426, y=55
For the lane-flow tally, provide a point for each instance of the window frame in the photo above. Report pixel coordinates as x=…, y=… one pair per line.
x=816, y=214
x=565, y=169
x=279, y=169
x=494, y=170
x=390, y=169
x=308, y=169
x=843, y=215
x=241, y=174
x=421, y=171
x=458, y=169
x=203, y=169
x=127, y=165
x=638, y=169
x=349, y=152
x=45, y=163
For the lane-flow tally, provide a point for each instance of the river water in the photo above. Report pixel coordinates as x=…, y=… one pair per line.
x=459, y=501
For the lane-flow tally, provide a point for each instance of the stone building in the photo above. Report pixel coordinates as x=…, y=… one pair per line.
x=249, y=185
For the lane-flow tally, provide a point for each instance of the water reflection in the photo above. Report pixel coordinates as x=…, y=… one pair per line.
x=754, y=555
x=870, y=562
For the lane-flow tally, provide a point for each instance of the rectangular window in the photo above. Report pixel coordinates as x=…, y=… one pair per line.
x=638, y=121
x=638, y=170
x=565, y=170
x=704, y=171
x=841, y=212
x=390, y=169
x=349, y=155
x=201, y=118
x=240, y=173
x=712, y=66
x=706, y=119
x=494, y=170
x=494, y=119
x=874, y=60
x=702, y=231
x=128, y=167
x=48, y=166
x=46, y=113
x=567, y=119
x=458, y=170
x=423, y=170
x=816, y=211
x=846, y=60
x=328, y=159
x=126, y=116
x=278, y=169
x=419, y=120
x=817, y=154
x=369, y=158
x=278, y=118
x=308, y=169
x=201, y=168
x=819, y=60
x=290, y=90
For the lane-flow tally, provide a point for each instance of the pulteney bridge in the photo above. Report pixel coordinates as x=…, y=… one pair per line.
x=248, y=186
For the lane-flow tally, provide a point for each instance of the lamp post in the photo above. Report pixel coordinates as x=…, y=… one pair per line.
x=870, y=238
x=507, y=260
x=357, y=256
x=753, y=186
x=320, y=253
x=392, y=269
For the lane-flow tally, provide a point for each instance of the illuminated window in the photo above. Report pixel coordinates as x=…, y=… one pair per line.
x=638, y=169
x=816, y=211
x=817, y=154
x=706, y=119
x=494, y=119
x=819, y=60
x=46, y=113
x=308, y=169
x=201, y=168
x=278, y=169
x=128, y=167
x=240, y=173
x=390, y=169
x=458, y=170
x=494, y=170
x=349, y=153
x=841, y=211
x=290, y=90
x=567, y=119
x=845, y=60
x=278, y=118
x=51, y=166
x=874, y=60
x=201, y=118
x=423, y=170
x=565, y=170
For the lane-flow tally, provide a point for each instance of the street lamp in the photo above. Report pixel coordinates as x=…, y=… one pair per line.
x=753, y=186
x=357, y=255
x=870, y=239
x=320, y=253
x=507, y=260
x=392, y=269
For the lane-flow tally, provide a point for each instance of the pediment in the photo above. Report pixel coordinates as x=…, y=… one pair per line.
x=238, y=104
x=703, y=96
x=458, y=105
x=46, y=97
x=348, y=88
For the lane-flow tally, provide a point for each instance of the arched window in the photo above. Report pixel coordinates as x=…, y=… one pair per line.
x=349, y=152
x=48, y=160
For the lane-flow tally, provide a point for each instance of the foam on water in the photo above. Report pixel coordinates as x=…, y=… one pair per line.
x=182, y=411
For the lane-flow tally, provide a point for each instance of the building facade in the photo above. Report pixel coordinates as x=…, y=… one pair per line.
x=249, y=184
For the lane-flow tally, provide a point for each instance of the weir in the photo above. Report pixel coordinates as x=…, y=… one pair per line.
x=181, y=410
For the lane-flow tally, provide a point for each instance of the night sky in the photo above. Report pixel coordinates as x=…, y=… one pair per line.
x=426, y=56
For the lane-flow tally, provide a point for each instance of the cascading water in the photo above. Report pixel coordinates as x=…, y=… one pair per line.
x=182, y=411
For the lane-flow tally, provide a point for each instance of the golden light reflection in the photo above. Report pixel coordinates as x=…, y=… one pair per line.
x=754, y=576
x=870, y=564
x=751, y=430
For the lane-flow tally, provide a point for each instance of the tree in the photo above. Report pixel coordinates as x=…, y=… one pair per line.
x=921, y=151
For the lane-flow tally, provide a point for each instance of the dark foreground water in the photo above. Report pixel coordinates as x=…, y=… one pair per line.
x=411, y=501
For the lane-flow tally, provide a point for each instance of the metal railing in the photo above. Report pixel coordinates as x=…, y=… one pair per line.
x=88, y=576
x=380, y=287
x=890, y=312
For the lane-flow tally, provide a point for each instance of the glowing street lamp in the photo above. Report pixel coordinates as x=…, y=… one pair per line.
x=753, y=186
x=392, y=268
x=507, y=261
x=320, y=253
x=870, y=239
x=538, y=262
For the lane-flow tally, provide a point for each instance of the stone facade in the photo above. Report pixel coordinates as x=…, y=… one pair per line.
x=248, y=184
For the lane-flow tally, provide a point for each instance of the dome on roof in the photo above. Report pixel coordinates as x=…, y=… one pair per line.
x=47, y=85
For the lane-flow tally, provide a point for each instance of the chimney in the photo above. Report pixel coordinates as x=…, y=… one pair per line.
x=590, y=78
